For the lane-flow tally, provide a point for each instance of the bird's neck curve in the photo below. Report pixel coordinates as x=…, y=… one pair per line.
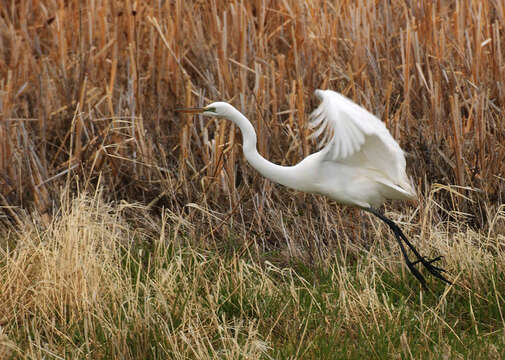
x=279, y=174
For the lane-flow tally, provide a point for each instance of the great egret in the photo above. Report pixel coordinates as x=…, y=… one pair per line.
x=359, y=164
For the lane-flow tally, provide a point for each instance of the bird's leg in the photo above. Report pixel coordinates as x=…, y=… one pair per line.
x=434, y=270
x=410, y=264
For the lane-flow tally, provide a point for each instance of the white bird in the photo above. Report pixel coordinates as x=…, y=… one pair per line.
x=358, y=164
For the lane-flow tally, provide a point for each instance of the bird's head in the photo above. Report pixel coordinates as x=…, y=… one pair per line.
x=215, y=109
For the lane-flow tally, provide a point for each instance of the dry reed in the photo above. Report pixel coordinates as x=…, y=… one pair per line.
x=87, y=90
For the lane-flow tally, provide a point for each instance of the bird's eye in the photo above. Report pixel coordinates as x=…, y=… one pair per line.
x=211, y=109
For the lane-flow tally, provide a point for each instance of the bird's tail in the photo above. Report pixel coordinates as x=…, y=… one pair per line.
x=403, y=191
x=410, y=189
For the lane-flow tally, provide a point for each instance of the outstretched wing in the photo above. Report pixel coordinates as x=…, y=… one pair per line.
x=349, y=133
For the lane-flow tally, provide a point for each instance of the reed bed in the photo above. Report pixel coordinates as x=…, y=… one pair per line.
x=88, y=90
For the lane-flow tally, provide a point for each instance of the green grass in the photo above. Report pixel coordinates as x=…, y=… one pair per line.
x=153, y=293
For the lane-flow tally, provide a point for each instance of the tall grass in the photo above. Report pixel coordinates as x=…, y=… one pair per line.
x=87, y=90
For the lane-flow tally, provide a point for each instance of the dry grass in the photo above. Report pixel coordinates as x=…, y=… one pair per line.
x=218, y=262
x=104, y=281
x=84, y=287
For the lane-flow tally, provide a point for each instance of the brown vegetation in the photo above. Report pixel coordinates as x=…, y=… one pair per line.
x=87, y=91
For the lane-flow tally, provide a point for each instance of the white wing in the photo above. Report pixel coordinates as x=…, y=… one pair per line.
x=352, y=134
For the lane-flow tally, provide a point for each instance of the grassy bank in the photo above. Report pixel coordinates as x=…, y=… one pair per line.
x=104, y=281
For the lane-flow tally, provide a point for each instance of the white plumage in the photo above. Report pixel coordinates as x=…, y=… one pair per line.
x=353, y=137
x=358, y=164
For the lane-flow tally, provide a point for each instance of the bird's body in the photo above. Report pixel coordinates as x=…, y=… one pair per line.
x=345, y=182
x=359, y=164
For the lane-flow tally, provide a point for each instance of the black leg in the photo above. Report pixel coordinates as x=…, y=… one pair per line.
x=428, y=264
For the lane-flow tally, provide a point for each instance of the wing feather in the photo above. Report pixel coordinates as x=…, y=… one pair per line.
x=351, y=134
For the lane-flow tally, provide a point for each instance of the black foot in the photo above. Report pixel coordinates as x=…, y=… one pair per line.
x=428, y=264
x=434, y=270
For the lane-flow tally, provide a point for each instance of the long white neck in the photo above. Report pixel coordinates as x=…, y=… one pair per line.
x=279, y=174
